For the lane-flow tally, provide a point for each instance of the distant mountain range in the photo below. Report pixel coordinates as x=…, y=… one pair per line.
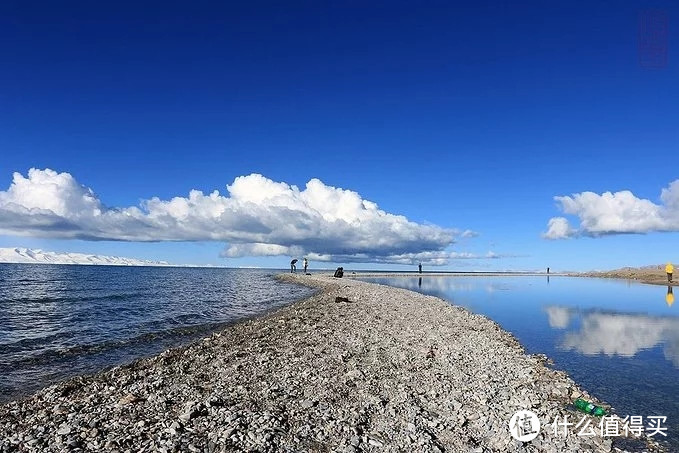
x=37, y=256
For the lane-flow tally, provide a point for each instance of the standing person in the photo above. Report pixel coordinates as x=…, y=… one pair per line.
x=420, y=268
x=669, y=269
x=548, y=270
x=293, y=268
x=306, y=264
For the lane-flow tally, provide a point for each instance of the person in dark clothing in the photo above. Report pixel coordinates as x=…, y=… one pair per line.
x=420, y=268
x=293, y=267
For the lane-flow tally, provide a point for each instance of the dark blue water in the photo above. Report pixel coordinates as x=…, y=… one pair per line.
x=618, y=340
x=57, y=321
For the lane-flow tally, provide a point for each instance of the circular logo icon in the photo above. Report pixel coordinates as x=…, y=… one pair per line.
x=524, y=425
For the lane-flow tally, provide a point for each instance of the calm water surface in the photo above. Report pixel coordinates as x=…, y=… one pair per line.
x=57, y=321
x=618, y=340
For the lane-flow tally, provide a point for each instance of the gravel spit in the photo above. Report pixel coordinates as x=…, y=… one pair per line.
x=388, y=371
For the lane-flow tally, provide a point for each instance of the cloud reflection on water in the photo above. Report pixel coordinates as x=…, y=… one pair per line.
x=616, y=334
x=427, y=284
x=558, y=317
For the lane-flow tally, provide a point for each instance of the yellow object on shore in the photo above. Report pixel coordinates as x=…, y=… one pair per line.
x=669, y=268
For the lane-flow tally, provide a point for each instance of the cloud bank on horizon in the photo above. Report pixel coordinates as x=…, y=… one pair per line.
x=258, y=217
x=615, y=213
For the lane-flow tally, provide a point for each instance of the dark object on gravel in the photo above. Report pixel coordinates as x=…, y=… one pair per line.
x=339, y=273
x=342, y=299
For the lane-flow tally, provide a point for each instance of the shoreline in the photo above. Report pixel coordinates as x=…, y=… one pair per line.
x=389, y=370
x=648, y=276
x=453, y=274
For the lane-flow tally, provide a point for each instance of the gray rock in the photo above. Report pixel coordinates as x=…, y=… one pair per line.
x=64, y=429
x=375, y=442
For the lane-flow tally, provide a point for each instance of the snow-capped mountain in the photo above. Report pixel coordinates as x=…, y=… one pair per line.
x=37, y=256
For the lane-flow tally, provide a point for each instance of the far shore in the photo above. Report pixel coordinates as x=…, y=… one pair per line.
x=369, y=274
x=651, y=275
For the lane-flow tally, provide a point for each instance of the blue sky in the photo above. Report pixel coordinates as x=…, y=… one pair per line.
x=469, y=116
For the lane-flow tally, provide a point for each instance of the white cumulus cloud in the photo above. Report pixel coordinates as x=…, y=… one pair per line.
x=257, y=216
x=469, y=234
x=615, y=213
x=558, y=228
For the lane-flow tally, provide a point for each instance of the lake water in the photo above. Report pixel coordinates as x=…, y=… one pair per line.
x=57, y=321
x=619, y=340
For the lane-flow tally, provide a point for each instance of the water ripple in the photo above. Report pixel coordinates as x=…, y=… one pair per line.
x=59, y=321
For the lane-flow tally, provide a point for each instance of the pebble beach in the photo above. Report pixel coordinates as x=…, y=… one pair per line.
x=356, y=367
